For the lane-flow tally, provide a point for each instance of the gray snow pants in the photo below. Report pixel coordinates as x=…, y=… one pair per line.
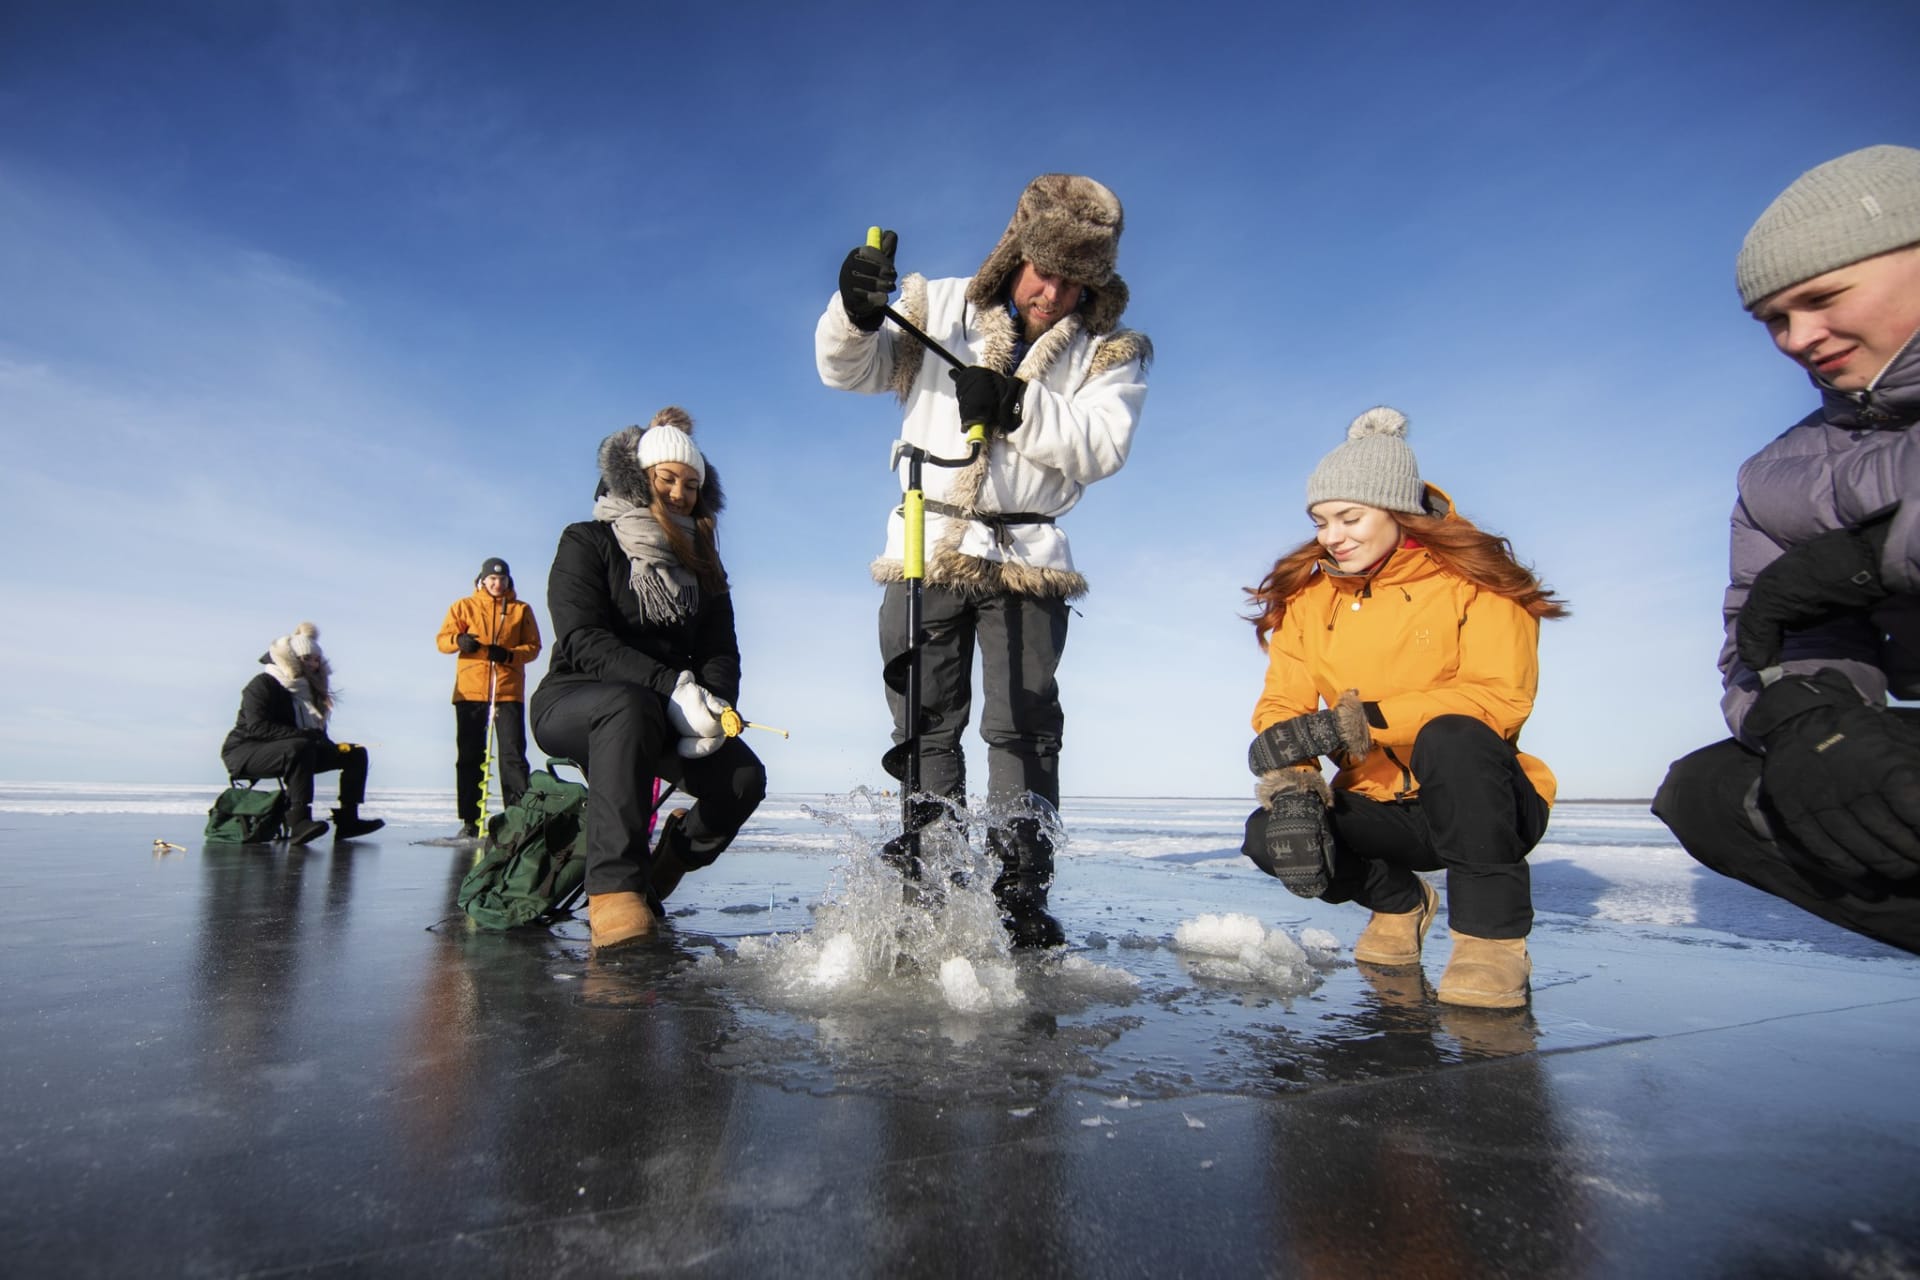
x=1020, y=639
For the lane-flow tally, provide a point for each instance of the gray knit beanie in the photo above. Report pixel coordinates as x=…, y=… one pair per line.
x=1374, y=467
x=1861, y=205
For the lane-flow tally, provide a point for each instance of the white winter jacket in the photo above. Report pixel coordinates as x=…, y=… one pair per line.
x=1082, y=403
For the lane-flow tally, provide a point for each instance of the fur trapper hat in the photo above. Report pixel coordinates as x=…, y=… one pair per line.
x=1852, y=208
x=1066, y=225
x=1374, y=467
x=624, y=475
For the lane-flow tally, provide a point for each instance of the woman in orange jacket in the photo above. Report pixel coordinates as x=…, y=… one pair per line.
x=494, y=633
x=1419, y=634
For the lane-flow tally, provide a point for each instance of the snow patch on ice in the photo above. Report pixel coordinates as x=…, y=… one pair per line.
x=1238, y=948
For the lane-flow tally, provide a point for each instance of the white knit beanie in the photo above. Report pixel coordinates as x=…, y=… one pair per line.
x=1374, y=467
x=304, y=640
x=1858, y=206
x=663, y=443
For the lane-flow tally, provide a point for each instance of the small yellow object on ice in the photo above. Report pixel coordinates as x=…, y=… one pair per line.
x=162, y=847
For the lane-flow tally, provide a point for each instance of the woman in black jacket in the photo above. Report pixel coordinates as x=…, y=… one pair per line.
x=643, y=666
x=281, y=732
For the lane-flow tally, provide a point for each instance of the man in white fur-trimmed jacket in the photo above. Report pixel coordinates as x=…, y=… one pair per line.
x=1060, y=386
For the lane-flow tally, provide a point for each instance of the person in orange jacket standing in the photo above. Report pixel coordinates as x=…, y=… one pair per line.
x=495, y=636
x=1419, y=633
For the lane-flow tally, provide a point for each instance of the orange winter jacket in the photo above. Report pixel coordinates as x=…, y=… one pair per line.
x=505, y=622
x=1416, y=642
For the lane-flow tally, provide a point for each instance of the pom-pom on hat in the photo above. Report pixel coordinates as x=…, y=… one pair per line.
x=1857, y=206
x=1374, y=467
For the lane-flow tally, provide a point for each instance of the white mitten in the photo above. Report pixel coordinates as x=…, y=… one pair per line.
x=694, y=748
x=687, y=709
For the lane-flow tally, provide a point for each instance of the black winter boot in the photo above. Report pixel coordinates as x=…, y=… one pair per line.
x=349, y=825
x=1026, y=862
x=302, y=827
x=672, y=855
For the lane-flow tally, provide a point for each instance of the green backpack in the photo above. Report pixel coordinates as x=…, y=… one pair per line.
x=534, y=867
x=245, y=814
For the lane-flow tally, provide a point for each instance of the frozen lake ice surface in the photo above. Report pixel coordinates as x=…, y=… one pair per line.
x=263, y=1059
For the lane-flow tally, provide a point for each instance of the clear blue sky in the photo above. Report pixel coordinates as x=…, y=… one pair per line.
x=305, y=309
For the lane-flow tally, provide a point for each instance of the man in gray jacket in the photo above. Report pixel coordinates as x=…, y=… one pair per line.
x=1816, y=797
x=1059, y=384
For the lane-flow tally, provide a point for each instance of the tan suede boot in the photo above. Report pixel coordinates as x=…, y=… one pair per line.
x=1393, y=938
x=618, y=919
x=1486, y=973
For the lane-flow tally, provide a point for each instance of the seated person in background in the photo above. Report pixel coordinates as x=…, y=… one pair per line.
x=281, y=732
x=644, y=664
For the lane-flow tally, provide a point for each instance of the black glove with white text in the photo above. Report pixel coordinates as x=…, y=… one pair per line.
x=988, y=397
x=1843, y=776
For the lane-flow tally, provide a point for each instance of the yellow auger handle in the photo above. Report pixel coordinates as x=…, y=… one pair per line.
x=873, y=237
x=913, y=561
x=977, y=433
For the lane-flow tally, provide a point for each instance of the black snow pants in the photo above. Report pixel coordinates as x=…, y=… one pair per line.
x=620, y=736
x=1712, y=802
x=1476, y=815
x=470, y=739
x=294, y=761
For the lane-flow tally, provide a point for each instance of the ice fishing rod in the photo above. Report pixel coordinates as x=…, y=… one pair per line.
x=733, y=725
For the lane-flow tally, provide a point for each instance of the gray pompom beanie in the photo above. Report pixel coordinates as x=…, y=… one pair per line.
x=1374, y=467
x=1858, y=206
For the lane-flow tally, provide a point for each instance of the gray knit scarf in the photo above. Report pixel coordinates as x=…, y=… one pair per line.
x=667, y=590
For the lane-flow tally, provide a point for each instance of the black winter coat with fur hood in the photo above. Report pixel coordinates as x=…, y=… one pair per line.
x=600, y=634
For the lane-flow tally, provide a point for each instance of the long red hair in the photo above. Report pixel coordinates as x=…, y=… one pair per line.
x=1456, y=543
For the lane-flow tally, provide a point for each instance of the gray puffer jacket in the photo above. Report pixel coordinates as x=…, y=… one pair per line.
x=1855, y=457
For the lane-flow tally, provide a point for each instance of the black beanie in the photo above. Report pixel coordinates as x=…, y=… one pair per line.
x=495, y=565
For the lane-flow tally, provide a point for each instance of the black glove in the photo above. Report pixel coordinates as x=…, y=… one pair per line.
x=501, y=654
x=1843, y=776
x=1341, y=730
x=1834, y=574
x=466, y=644
x=867, y=279
x=989, y=397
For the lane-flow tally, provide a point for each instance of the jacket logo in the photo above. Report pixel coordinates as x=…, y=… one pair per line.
x=1423, y=637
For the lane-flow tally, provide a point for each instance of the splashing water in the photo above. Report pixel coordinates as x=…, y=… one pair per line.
x=879, y=938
